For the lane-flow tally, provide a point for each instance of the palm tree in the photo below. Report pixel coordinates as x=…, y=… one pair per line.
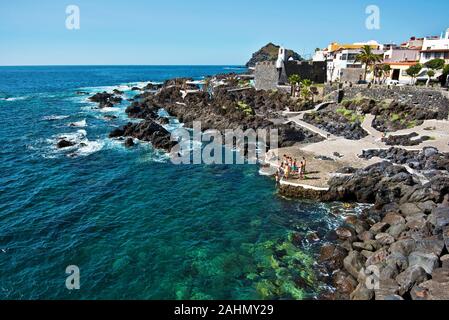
x=306, y=92
x=368, y=58
x=294, y=80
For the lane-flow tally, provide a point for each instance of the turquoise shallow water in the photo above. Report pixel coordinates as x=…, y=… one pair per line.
x=137, y=226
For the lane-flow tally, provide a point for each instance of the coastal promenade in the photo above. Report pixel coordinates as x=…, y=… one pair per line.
x=327, y=157
x=298, y=120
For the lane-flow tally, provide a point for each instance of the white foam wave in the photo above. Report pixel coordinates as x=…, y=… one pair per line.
x=10, y=99
x=76, y=137
x=234, y=68
x=79, y=124
x=121, y=87
x=82, y=146
x=155, y=156
x=54, y=118
x=89, y=147
x=111, y=109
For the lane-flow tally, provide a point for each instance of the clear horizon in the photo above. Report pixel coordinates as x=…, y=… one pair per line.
x=123, y=65
x=199, y=32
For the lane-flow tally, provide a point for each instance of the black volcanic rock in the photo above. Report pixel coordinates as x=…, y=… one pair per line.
x=65, y=144
x=141, y=110
x=129, y=143
x=412, y=139
x=105, y=100
x=116, y=133
x=163, y=121
x=270, y=53
x=147, y=130
x=248, y=109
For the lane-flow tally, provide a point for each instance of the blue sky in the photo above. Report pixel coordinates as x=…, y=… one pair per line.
x=199, y=31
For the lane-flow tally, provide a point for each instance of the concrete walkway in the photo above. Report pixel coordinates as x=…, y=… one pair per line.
x=302, y=113
x=367, y=125
x=310, y=127
x=297, y=118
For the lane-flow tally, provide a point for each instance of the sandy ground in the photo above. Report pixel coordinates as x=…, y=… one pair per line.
x=345, y=153
x=319, y=171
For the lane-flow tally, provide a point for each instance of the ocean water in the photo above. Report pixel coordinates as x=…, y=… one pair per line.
x=137, y=226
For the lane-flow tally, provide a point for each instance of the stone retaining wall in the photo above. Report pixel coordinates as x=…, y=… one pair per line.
x=432, y=98
x=266, y=76
x=297, y=192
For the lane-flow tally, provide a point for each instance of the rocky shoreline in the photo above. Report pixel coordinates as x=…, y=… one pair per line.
x=226, y=108
x=430, y=162
x=404, y=236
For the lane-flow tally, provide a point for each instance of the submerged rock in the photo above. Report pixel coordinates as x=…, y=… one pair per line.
x=129, y=143
x=65, y=144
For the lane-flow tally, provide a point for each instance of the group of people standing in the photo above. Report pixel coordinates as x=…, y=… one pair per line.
x=291, y=167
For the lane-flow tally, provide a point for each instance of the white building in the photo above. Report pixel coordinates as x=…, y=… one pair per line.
x=281, y=58
x=341, y=60
x=435, y=48
x=320, y=55
x=342, y=66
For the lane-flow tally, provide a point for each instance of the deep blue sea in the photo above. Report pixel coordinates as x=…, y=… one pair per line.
x=137, y=226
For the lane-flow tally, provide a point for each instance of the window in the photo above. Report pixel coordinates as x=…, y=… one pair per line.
x=352, y=56
x=354, y=66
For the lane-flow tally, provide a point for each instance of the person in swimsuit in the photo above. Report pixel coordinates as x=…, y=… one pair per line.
x=304, y=165
x=287, y=171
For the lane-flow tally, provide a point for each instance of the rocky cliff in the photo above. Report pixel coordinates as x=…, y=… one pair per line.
x=270, y=53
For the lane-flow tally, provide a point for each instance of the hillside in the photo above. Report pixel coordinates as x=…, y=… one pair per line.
x=270, y=53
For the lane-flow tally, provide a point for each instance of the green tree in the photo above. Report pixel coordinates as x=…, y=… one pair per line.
x=381, y=71
x=386, y=69
x=446, y=70
x=430, y=75
x=414, y=70
x=435, y=64
x=306, y=92
x=445, y=74
x=368, y=58
x=294, y=80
